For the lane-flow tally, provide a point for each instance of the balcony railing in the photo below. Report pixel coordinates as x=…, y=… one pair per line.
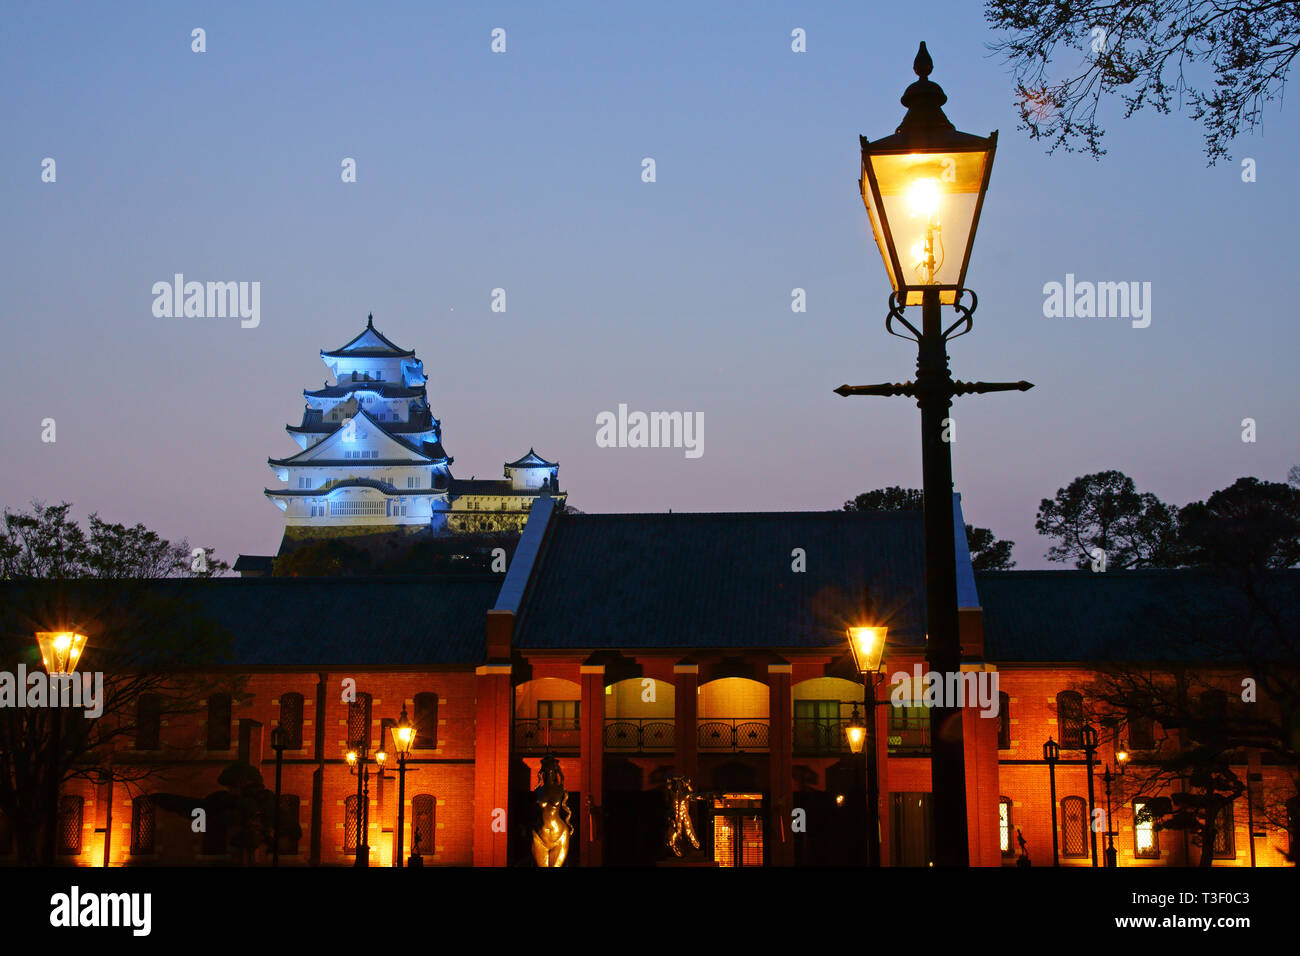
x=734, y=734
x=639, y=734
x=547, y=733
x=820, y=735
x=910, y=736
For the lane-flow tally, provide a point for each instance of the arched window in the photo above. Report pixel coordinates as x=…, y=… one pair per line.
x=1074, y=827
x=70, y=820
x=359, y=722
x=1146, y=838
x=1069, y=718
x=148, y=722
x=291, y=719
x=219, y=722
x=350, y=825
x=1225, y=844
x=1004, y=826
x=1004, y=721
x=142, y=820
x=422, y=810
x=426, y=722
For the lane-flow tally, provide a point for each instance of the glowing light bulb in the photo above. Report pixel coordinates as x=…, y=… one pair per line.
x=923, y=196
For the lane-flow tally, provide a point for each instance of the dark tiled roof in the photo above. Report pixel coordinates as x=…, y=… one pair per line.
x=385, y=390
x=315, y=622
x=532, y=460
x=254, y=562
x=724, y=580
x=1129, y=616
x=388, y=349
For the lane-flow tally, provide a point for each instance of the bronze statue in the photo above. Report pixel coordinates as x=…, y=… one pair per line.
x=680, y=826
x=551, y=837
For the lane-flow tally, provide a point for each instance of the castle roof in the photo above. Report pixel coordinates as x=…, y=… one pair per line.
x=428, y=452
x=371, y=343
x=532, y=460
x=352, y=483
x=383, y=389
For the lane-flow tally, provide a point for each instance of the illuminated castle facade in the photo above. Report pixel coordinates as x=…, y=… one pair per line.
x=370, y=457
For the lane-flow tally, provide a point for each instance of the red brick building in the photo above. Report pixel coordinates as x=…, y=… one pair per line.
x=639, y=646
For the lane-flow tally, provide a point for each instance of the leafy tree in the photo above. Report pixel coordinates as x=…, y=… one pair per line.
x=127, y=589
x=1105, y=511
x=1248, y=527
x=987, y=552
x=1223, y=59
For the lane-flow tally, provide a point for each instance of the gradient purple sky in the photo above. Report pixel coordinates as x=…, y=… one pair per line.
x=522, y=171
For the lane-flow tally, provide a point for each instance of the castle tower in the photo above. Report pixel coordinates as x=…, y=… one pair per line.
x=371, y=453
x=371, y=460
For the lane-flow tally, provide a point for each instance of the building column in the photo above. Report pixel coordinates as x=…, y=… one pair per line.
x=493, y=726
x=980, y=736
x=591, y=790
x=780, y=739
x=686, y=719
x=884, y=797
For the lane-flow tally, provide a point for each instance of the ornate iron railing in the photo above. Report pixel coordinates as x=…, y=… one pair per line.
x=820, y=735
x=639, y=734
x=736, y=734
x=547, y=733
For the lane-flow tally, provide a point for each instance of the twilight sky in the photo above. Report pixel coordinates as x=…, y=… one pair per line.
x=522, y=171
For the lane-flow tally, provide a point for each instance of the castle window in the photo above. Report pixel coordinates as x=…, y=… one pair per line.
x=422, y=810
x=350, y=825
x=426, y=721
x=1224, y=843
x=1146, y=839
x=71, y=810
x=291, y=719
x=1069, y=716
x=142, y=825
x=1074, y=827
x=1004, y=721
x=359, y=722
x=1004, y=827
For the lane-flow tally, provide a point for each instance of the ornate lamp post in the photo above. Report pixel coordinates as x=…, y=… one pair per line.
x=403, y=739
x=1089, y=735
x=1051, y=754
x=868, y=647
x=923, y=188
x=359, y=765
x=60, y=654
x=279, y=741
x=1121, y=760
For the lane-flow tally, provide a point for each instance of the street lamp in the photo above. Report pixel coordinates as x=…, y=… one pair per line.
x=1051, y=754
x=1089, y=735
x=1121, y=761
x=403, y=739
x=924, y=188
x=279, y=742
x=60, y=654
x=359, y=766
x=867, y=645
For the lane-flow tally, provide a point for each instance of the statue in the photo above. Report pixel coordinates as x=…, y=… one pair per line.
x=551, y=836
x=680, y=827
x=1023, y=859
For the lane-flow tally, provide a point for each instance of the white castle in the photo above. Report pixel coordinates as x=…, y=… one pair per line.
x=371, y=457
